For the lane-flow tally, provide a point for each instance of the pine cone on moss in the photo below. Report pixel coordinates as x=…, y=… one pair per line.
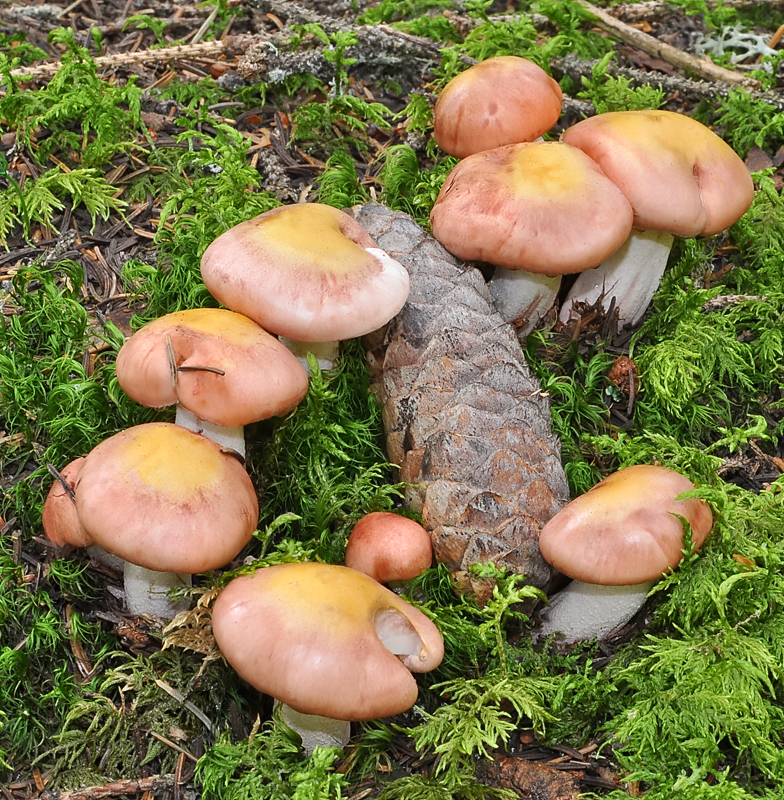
x=465, y=418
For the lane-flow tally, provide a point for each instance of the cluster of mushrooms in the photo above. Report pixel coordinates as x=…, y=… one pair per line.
x=331, y=643
x=605, y=201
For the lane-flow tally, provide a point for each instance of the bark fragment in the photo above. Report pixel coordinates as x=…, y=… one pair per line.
x=532, y=780
x=465, y=418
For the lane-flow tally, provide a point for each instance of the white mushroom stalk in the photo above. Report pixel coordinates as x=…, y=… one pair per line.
x=147, y=591
x=583, y=611
x=630, y=276
x=523, y=298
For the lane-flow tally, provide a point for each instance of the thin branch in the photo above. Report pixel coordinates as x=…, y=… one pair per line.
x=181, y=52
x=155, y=786
x=701, y=67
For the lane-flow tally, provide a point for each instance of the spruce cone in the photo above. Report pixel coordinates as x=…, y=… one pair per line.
x=465, y=418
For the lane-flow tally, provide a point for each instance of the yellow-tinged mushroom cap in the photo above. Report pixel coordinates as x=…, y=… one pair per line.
x=308, y=272
x=626, y=529
x=165, y=498
x=309, y=635
x=539, y=206
x=678, y=175
x=220, y=365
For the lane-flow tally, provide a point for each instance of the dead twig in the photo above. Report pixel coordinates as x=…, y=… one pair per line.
x=701, y=67
x=155, y=785
x=179, y=52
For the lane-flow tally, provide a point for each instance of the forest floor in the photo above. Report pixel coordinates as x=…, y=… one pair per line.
x=133, y=133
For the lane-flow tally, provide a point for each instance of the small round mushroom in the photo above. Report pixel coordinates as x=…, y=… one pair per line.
x=309, y=273
x=615, y=541
x=222, y=369
x=502, y=100
x=536, y=211
x=169, y=502
x=389, y=548
x=325, y=640
x=681, y=180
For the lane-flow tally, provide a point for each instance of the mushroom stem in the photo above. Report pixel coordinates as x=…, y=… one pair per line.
x=145, y=591
x=326, y=353
x=523, y=297
x=584, y=611
x=232, y=438
x=631, y=275
x=314, y=730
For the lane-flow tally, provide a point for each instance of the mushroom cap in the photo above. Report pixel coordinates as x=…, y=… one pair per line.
x=624, y=530
x=389, y=547
x=165, y=498
x=309, y=272
x=540, y=206
x=261, y=376
x=498, y=101
x=60, y=520
x=678, y=175
x=306, y=633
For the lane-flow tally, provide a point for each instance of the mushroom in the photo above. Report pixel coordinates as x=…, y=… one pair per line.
x=536, y=211
x=170, y=503
x=615, y=541
x=326, y=641
x=389, y=548
x=222, y=369
x=502, y=100
x=309, y=273
x=681, y=180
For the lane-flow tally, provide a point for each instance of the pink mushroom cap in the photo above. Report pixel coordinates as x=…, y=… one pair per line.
x=167, y=499
x=309, y=635
x=678, y=175
x=625, y=530
x=539, y=206
x=308, y=272
x=502, y=100
x=249, y=374
x=389, y=547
